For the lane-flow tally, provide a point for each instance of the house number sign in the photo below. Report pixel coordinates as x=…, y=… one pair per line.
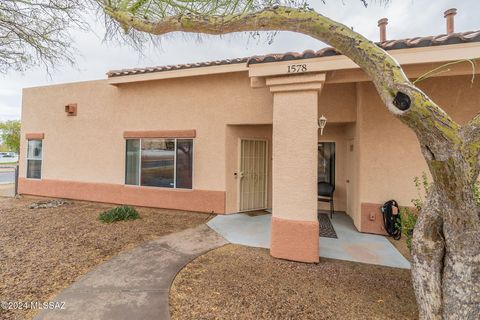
x=297, y=68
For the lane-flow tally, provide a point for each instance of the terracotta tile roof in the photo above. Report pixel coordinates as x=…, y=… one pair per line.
x=418, y=42
x=125, y=72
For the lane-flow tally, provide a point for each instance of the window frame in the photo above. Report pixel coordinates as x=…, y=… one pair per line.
x=139, y=159
x=30, y=159
x=334, y=176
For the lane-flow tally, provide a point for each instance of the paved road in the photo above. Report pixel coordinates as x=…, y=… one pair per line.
x=7, y=177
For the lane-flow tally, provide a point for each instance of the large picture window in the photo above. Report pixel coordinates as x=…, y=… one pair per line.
x=34, y=159
x=166, y=163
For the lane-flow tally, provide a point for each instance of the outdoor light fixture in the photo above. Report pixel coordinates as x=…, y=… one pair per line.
x=322, y=122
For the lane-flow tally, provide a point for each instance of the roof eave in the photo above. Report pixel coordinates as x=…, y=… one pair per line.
x=406, y=56
x=180, y=73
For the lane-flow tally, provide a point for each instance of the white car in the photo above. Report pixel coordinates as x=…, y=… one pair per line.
x=8, y=154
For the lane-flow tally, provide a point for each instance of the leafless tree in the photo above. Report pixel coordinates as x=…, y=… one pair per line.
x=38, y=32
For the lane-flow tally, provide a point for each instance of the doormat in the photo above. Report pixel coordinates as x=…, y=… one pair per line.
x=326, y=227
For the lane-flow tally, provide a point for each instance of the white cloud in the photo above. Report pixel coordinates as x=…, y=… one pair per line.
x=9, y=112
x=407, y=18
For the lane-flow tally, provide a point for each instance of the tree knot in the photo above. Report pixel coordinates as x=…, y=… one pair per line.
x=402, y=101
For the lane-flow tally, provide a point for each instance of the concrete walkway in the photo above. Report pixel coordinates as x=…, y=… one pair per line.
x=134, y=284
x=351, y=245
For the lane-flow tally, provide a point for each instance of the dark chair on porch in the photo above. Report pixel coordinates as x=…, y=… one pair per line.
x=325, y=194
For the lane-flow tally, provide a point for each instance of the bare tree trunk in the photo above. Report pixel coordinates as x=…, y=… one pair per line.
x=446, y=240
x=461, y=270
x=428, y=248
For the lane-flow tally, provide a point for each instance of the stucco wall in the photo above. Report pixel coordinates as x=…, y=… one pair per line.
x=337, y=102
x=90, y=147
x=389, y=152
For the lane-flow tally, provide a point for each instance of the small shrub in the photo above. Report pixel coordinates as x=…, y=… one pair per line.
x=119, y=214
x=409, y=216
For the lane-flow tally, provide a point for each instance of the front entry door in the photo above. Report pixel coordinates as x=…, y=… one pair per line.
x=253, y=175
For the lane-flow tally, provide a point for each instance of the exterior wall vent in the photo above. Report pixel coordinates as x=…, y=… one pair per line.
x=71, y=109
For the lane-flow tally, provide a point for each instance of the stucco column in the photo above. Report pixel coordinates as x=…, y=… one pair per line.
x=295, y=234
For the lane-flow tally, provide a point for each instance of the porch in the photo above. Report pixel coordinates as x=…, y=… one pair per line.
x=350, y=245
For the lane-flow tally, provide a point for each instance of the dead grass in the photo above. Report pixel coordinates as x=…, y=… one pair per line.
x=44, y=250
x=7, y=190
x=237, y=282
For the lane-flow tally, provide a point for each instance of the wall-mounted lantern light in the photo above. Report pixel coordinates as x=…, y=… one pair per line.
x=322, y=122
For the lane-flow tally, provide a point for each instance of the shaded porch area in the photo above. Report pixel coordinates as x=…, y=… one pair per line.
x=351, y=245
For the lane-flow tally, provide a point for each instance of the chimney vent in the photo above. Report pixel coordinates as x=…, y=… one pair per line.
x=450, y=16
x=382, y=24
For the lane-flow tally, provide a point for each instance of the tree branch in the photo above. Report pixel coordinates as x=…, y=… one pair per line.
x=432, y=125
x=34, y=32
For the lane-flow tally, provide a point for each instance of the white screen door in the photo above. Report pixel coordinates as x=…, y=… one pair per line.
x=253, y=175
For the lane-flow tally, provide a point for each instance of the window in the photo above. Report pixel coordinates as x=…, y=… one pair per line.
x=326, y=162
x=34, y=159
x=132, y=162
x=166, y=163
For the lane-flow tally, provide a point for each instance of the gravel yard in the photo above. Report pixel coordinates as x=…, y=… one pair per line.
x=44, y=250
x=237, y=282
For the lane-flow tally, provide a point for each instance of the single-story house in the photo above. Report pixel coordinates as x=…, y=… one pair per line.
x=242, y=134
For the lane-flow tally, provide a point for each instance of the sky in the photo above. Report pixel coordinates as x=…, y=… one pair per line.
x=407, y=19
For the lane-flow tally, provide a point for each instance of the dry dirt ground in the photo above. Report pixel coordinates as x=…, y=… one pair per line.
x=402, y=247
x=45, y=250
x=237, y=282
x=7, y=190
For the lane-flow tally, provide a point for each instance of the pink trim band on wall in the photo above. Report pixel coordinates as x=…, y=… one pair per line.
x=295, y=240
x=188, y=200
x=160, y=134
x=35, y=136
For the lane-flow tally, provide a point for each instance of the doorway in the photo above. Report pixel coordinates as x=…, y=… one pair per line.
x=326, y=162
x=252, y=175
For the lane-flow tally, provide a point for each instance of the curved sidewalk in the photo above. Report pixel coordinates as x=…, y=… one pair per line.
x=135, y=284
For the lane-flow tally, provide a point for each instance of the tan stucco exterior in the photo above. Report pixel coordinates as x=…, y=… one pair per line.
x=376, y=156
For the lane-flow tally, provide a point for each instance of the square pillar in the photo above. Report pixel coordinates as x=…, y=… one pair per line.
x=295, y=229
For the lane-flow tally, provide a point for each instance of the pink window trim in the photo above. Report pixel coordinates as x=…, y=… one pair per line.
x=35, y=136
x=160, y=134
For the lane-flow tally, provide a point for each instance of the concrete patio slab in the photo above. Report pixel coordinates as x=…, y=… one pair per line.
x=134, y=284
x=351, y=245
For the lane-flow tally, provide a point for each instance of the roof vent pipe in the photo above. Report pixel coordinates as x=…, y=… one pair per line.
x=382, y=24
x=450, y=16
